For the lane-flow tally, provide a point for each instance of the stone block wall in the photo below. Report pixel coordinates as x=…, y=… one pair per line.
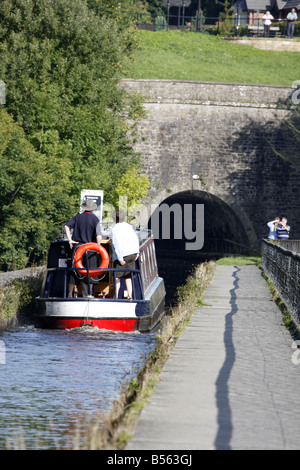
x=226, y=134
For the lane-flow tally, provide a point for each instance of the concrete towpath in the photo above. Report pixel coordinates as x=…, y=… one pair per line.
x=232, y=380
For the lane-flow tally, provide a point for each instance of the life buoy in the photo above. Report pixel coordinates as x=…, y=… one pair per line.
x=91, y=247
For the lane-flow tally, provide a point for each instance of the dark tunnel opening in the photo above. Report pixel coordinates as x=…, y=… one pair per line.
x=216, y=232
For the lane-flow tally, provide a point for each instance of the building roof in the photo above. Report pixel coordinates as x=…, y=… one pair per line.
x=261, y=5
x=264, y=5
x=280, y=4
x=289, y=4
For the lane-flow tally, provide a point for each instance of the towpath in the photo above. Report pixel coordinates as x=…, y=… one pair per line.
x=232, y=380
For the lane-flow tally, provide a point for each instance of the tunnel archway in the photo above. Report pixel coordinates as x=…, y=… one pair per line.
x=223, y=234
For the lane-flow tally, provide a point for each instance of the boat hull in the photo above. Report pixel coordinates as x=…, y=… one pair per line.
x=112, y=324
x=109, y=314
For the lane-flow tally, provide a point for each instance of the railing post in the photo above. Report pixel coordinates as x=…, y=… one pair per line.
x=88, y=273
x=133, y=286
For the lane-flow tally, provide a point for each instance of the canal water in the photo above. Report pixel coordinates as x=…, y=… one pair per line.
x=55, y=383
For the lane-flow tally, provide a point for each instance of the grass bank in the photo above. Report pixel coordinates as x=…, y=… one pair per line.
x=180, y=55
x=239, y=260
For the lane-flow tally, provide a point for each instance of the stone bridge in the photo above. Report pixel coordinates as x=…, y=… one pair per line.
x=213, y=144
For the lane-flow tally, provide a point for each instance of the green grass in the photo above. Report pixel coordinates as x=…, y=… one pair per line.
x=239, y=261
x=192, y=56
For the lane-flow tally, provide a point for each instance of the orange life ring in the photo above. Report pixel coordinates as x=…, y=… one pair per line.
x=91, y=247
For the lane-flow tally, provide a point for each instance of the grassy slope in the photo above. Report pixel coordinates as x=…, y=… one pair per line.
x=192, y=56
x=239, y=261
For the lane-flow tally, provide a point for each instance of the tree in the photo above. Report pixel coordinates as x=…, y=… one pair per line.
x=225, y=17
x=56, y=55
x=156, y=7
x=61, y=63
x=210, y=8
x=133, y=186
x=124, y=12
x=34, y=197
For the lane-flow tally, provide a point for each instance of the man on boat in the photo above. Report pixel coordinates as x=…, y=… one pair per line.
x=125, y=245
x=86, y=229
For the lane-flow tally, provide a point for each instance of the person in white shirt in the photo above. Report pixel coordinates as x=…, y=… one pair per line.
x=291, y=18
x=272, y=228
x=267, y=23
x=125, y=245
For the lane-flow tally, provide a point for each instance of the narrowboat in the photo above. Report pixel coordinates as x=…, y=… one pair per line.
x=101, y=308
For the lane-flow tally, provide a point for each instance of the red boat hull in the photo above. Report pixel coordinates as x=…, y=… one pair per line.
x=106, y=324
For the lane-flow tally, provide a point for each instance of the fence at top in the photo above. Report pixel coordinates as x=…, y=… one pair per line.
x=281, y=262
x=234, y=25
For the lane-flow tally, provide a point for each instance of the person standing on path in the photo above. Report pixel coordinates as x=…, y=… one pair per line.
x=283, y=230
x=272, y=228
x=267, y=23
x=291, y=18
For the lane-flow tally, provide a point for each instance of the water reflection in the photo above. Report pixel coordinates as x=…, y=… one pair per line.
x=53, y=378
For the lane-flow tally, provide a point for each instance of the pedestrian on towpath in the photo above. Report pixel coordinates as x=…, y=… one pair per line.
x=272, y=228
x=283, y=230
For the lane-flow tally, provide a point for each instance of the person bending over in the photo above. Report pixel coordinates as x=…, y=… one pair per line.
x=125, y=245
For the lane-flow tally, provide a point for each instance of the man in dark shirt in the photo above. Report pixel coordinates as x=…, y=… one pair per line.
x=86, y=229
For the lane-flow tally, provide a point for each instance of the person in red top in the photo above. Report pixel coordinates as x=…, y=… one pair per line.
x=86, y=229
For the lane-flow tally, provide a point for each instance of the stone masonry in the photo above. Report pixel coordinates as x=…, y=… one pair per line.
x=226, y=134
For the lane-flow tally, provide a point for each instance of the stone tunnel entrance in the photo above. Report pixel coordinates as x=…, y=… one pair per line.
x=222, y=232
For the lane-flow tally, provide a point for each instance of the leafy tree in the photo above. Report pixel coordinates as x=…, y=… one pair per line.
x=61, y=63
x=156, y=7
x=225, y=17
x=57, y=54
x=34, y=197
x=124, y=12
x=133, y=186
x=210, y=8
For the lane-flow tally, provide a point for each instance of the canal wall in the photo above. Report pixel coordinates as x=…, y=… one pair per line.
x=225, y=134
x=18, y=290
x=20, y=275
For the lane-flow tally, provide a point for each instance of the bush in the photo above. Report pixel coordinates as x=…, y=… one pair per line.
x=283, y=28
x=160, y=24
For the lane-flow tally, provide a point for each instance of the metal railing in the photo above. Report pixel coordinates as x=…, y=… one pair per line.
x=231, y=26
x=57, y=277
x=282, y=264
x=56, y=285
